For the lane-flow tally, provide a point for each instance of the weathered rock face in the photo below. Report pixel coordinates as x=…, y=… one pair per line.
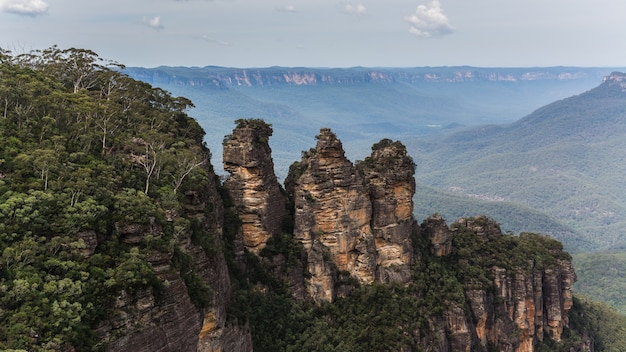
x=354, y=220
x=253, y=184
x=144, y=325
x=214, y=333
x=173, y=322
x=332, y=217
x=389, y=175
x=172, y=325
x=439, y=234
x=534, y=301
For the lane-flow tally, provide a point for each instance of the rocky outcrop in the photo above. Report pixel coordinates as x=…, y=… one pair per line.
x=388, y=173
x=439, y=234
x=616, y=78
x=356, y=227
x=481, y=226
x=173, y=322
x=139, y=324
x=535, y=297
x=252, y=183
x=332, y=216
x=353, y=220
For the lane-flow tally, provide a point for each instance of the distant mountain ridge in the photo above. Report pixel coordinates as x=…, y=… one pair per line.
x=221, y=77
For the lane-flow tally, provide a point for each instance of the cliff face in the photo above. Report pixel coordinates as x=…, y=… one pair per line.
x=355, y=227
x=353, y=220
x=536, y=297
x=221, y=77
x=252, y=183
x=171, y=321
x=138, y=323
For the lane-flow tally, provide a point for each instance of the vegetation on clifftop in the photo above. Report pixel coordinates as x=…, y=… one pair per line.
x=86, y=155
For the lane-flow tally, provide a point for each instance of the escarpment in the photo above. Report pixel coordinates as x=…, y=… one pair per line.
x=183, y=316
x=466, y=287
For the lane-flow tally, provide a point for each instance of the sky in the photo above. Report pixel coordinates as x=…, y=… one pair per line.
x=324, y=33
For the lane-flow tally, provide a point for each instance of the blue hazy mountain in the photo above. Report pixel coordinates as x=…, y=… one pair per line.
x=566, y=159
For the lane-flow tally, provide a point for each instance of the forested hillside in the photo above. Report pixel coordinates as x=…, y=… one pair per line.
x=565, y=159
x=85, y=153
x=116, y=235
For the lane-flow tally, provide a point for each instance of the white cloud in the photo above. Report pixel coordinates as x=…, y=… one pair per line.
x=287, y=8
x=356, y=10
x=154, y=22
x=429, y=21
x=24, y=7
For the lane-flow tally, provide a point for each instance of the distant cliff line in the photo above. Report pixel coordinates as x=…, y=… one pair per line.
x=224, y=77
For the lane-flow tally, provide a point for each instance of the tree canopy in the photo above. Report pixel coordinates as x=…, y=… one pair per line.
x=84, y=151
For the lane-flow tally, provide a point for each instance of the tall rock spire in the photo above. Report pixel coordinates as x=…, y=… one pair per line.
x=253, y=184
x=389, y=175
x=332, y=216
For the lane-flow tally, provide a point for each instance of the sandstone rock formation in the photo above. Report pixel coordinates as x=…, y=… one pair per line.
x=353, y=220
x=535, y=298
x=253, y=184
x=356, y=227
x=332, y=216
x=439, y=235
x=389, y=175
x=174, y=323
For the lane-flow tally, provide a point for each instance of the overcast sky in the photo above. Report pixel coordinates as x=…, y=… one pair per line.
x=324, y=33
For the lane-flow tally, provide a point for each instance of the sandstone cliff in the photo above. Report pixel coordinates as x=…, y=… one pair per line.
x=354, y=227
x=517, y=307
x=253, y=184
x=173, y=321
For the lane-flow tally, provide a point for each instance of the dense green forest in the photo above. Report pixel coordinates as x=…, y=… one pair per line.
x=512, y=217
x=86, y=151
x=601, y=276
